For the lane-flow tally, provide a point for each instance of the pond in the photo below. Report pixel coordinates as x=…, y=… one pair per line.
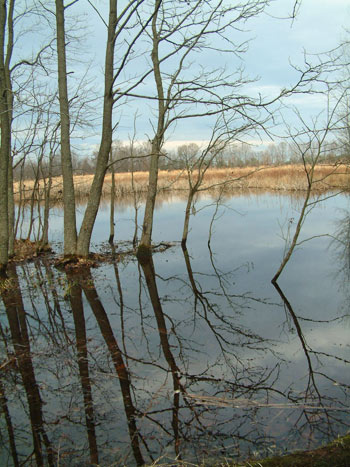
x=194, y=354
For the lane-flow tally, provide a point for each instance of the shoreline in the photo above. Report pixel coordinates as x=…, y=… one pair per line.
x=279, y=178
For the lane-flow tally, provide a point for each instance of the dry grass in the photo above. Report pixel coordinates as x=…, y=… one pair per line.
x=287, y=178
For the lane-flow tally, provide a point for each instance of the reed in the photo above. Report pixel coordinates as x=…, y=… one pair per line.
x=285, y=178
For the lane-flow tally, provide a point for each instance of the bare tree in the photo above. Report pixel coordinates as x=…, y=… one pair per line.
x=310, y=142
x=118, y=22
x=13, y=80
x=70, y=230
x=183, y=90
x=5, y=140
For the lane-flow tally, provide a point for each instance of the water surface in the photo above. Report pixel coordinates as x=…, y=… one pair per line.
x=194, y=354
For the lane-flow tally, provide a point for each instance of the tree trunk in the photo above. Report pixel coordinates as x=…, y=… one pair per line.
x=147, y=226
x=187, y=217
x=84, y=238
x=145, y=244
x=45, y=235
x=5, y=146
x=111, y=214
x=70, y=230
x=136, y=206
x=11, y=204
x=11, y=207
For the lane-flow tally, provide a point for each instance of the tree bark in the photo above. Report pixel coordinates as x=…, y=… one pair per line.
x=11, y=204
x=111, y=213
x=5, y=146
x=187, y=217
x=48, y=185
x=87, y=226
x=157, y=142
x=70, y=230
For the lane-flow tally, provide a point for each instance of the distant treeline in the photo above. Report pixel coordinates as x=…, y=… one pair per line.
x=135, y=158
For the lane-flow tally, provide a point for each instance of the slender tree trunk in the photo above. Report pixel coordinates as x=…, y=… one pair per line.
x=20, y=202
x=187, y=218
x=136, y=206
x=5, y=147
x=34, y=197
x=11, y=209
x=111, y=216
x=147, y=226
x=87, y=226
x=11, y=204
x=145, y=244
x=70, y=230
x=45, y=236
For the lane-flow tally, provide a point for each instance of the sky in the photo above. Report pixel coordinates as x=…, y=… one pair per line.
x=275, y=42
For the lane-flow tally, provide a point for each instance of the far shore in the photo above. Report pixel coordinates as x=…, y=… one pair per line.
x=281, y=178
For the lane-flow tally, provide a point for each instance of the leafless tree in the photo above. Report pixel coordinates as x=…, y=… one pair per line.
x=5, y=109
x=11, y=74
x=185, y=91
x=310, y=143
x=119, y=22
x=70, y=230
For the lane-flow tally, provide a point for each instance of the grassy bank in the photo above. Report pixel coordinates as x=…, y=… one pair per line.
x=287, y=178
x=334, y=454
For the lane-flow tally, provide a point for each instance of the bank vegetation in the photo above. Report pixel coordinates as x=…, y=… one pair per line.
x=279, y=178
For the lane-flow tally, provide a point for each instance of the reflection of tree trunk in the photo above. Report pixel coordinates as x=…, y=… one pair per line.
x=148, y=270
x=121, y=300
x=83, y=363
x=117, y=358
x=189, y=271
x=56, y=309
x=301, y=339
x=11, y=434
x=17, y=322
x=295, y=237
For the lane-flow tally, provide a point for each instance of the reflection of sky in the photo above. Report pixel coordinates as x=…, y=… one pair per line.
x=246, y=251
x=247, y=239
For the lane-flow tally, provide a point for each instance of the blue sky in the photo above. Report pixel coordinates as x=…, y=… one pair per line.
x=275, y=42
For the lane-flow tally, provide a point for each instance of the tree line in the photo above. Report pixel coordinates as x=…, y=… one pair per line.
x=241, y=155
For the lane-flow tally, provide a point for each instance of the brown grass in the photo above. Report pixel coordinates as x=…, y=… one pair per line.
x=286, y=178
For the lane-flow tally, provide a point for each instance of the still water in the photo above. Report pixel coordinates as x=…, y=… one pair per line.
x=193, y=355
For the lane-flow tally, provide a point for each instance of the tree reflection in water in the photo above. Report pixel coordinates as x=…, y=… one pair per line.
x=21, y=362
x=123, y=365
